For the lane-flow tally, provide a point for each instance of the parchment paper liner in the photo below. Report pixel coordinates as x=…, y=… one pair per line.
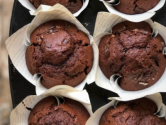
x=19, y=116
x=95, y=118
x=34, y=11
x=18, y=43
x=105, y=22
x=136, y=17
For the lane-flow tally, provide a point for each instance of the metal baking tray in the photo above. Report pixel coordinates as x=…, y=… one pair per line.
x=21, y=88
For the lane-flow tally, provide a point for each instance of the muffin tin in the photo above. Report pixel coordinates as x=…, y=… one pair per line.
x=21, y=88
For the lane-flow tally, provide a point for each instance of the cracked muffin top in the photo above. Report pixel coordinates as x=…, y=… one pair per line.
x=131, y=52
x=46, y=112
x=60, y=52
x=137, y=112
x=135, y=6
x=72, y=5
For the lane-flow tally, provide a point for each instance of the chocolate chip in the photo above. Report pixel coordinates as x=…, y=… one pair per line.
x=58, y=27
x=48, y=45
x=42, y=36
x=106, y=49
x=65, y=41
x=122, y=119
x=155, y=46
x=39, y=39
x=142, y=83
x=50, y=31
x=112, y=36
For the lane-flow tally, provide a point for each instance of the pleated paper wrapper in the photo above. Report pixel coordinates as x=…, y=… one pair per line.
x=19, y=42
x=34, y=11
x=19, y=116
x=95, y=118
x=136, y=17
x=104, y=23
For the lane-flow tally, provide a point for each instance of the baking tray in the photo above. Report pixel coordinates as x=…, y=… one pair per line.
x=21, y=88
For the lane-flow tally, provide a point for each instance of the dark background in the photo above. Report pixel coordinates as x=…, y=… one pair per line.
x=21, y=88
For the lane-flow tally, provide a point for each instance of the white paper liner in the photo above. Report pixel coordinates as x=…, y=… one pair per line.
x=94, y=120
x=34, y=11
x=19, y=116
x=136, y=17
x=105, y=22
x=18, y=43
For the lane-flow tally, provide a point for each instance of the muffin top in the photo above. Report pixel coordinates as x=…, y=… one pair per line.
x=135, y=6
x=131, y=52
x=137, y=112
x=46, y=112
x=60, y=52
x=72, y=5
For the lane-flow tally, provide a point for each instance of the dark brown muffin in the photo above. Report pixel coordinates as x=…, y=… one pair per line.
x=131, y=52
x=72, y=5
x=137, y=112
x=46, y=112
x=135, y=6
x=60, y=52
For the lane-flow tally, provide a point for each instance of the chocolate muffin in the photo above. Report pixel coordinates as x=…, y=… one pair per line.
x=138, y=112
x=72, y=5
x=135, y=6
x=46, y=112
x=60, y=52
x=131, y=52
